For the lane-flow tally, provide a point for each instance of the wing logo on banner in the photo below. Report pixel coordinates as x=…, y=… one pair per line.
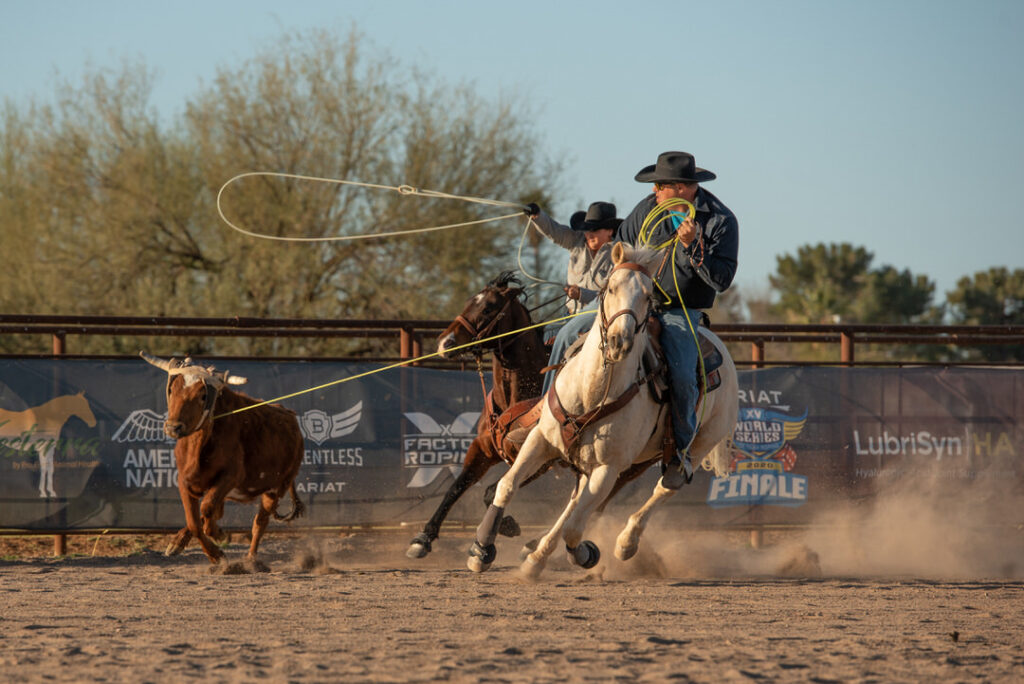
x=437, y=447
x=318, y=426
x=142, y=425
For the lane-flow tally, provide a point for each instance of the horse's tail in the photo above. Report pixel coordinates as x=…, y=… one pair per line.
x=298, y=508
x=719, y=459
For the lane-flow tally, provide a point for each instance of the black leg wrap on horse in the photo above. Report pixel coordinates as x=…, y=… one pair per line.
x=488, y=528
x=586, y=555
x=486, y=554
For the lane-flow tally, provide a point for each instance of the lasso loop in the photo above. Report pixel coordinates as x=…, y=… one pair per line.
x=400, y=189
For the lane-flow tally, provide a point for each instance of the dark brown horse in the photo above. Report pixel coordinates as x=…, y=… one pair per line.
x=516, y=369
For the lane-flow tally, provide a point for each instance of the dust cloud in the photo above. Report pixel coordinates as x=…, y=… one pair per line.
x=939, y=529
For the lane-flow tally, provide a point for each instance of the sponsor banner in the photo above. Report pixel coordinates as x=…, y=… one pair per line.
x=82, y=443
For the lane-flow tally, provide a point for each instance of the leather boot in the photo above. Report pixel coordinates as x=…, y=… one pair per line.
x=677, y=472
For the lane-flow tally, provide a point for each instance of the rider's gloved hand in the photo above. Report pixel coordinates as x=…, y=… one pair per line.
x=531, y=209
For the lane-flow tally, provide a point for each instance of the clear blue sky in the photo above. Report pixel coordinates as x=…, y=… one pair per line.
x=897, y=125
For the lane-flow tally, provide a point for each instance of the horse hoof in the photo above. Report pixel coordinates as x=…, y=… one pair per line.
x=419, y=547
x=508, y=527
x=481, y=557
x=476, y=565
x=173, y=549
x=256, y=565
x=624, y=553
x=417, y=550
x=531, y=568
x=528, y=548
x=586, y=555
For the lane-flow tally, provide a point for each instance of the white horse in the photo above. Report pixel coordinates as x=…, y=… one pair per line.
x=606, y=372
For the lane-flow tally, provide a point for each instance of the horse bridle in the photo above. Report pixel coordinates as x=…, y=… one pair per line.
x=607, y=321
x=478, y=334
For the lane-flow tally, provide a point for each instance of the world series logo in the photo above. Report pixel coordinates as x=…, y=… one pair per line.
x=762, y=467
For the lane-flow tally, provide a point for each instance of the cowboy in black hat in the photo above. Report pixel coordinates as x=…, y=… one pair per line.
x=701, y=249
x=700, y=261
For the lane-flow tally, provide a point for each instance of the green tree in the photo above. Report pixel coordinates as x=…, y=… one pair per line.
x=992, y=297
x=117, y=214
x=835, y=283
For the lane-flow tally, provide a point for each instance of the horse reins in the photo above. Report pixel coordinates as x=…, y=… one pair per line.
x=607, y=321
x=572, y=426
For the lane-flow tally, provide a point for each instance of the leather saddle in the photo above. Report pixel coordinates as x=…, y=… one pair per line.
x=654, y=360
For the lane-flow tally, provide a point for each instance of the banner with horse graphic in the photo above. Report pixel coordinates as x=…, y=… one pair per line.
x=82, y=443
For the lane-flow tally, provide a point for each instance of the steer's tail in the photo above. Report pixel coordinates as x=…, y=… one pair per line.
x=297, y=507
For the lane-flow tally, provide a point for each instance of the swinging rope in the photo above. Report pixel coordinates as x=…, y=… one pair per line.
x=519, y=256
x=400, y=189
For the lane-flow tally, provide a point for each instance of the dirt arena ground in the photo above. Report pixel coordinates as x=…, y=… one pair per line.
x=705, y=608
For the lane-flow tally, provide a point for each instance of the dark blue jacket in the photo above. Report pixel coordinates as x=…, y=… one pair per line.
x=721, y=236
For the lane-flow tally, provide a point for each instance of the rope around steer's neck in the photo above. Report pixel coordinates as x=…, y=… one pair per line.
x=401, y=189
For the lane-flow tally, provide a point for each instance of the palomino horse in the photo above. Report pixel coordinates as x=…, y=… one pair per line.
x=44, y=424
x=516, y=369
x=607, y=423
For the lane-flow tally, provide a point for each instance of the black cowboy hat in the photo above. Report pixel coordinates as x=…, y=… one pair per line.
x=597, y=216
x=674, y=167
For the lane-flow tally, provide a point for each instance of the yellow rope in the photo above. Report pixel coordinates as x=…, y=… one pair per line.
x=401, y=363
x=666, y=209
x=647, y=228
x=400, y=189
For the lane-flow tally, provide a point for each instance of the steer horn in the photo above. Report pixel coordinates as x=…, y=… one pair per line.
x=233, y=379
x=185, y=367
x=159, y=363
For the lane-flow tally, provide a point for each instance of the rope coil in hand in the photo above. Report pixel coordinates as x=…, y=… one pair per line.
x=662, y=212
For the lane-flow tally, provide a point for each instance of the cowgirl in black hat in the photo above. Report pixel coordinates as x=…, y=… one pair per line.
x=588, y=237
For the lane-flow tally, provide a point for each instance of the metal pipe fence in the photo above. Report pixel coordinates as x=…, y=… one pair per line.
x=407, y=338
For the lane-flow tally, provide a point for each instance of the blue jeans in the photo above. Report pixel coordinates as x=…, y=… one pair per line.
x=681, y=356
x=680, y=350
x=571, y=329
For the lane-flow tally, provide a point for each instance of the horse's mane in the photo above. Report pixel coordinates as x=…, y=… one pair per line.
x=504, y=278
x=507, y=279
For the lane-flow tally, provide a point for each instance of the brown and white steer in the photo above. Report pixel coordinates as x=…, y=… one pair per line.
x=238, y=456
